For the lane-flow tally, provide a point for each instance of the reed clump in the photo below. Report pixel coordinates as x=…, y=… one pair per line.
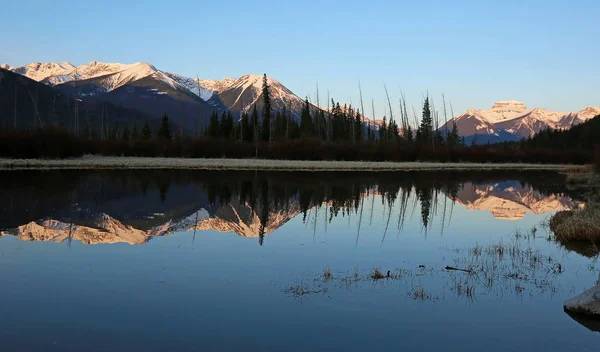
x=577, y=225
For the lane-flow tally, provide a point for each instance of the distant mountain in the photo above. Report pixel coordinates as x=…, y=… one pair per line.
x=583, y=136
x=245, y=92
x=25, y=103
x=142, y=86
x=512, y=120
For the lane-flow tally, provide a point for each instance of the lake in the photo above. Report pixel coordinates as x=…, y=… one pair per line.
x=213, y=261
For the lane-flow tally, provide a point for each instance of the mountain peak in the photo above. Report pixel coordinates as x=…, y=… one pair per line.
x=509, y=106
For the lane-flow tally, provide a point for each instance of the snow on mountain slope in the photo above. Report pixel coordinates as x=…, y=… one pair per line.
x=216, y=85
x=513, y=119
x=246, y=91
x=40, y=71
x=204, y=91
x=6, y=67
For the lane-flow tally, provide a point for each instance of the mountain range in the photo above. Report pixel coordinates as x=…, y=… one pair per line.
x=511, y=120
x=141, y=86
x=190, y=101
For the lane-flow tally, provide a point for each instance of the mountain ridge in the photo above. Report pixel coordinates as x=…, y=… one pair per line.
x=513, y=120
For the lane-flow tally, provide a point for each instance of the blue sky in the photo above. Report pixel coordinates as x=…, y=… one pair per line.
x=544, y=53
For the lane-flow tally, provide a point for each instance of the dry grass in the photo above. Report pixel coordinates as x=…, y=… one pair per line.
x=376, y=274
x=419, y=294
x=577, y=225
x=327, y=274
x=577, y=169
x=99, y=162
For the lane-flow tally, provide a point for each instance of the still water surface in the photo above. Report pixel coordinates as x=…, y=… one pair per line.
x=187, y=260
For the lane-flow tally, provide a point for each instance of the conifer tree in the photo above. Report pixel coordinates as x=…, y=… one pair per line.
x=425, y=131
x=254, y=123
x=146, y=131
x=266, y=118
x=453, y=138
x=213, y=127
x=383, y=130
x=126, y=134
x=306, y=123
x=246, y=133
x=165, y=129
x=134, y=132
x=358, y=126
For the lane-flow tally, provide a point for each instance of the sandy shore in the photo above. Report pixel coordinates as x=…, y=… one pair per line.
x=98, y=162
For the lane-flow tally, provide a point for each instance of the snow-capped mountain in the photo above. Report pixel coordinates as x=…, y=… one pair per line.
x=44, y=71
x=134, y=85
x=245, y=92
x=512, y=120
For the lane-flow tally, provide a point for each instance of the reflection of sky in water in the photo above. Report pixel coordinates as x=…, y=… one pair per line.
x=223, y=291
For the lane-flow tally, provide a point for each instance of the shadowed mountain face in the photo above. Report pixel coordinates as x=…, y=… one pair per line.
x=135, y=206
x=25, y=103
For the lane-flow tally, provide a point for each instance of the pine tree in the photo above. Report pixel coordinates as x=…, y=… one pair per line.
x=165, y=129
x=246, y=133
x=213, y=125
x=358, y=127
x=425, y=131
x=134, y=132
x=226, y=126
x=113, y=132
x=126, y=134
x=306, y=123
x=146, y=131
x=383, y=130
x=453, y=137
x=266, y=118
x=254, y=124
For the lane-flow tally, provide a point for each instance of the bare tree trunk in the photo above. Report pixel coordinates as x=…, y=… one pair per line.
x=362, y=111
x=36, y=116
x=373, y=111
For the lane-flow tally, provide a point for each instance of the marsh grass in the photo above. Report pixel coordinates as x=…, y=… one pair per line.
x=327, y=274
x=577, y=225
x=495, y=269
x=419, y=294
x=376, y=274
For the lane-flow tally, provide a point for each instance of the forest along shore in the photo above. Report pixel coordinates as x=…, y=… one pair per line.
x=100, y=162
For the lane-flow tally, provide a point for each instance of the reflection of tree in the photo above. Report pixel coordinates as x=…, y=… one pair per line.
x=319, y=196
x=264, y=210
x=425, y=199
x=164, y=189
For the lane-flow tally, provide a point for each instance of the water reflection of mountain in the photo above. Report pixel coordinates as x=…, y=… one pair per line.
x=134, y=207
x=510, y=200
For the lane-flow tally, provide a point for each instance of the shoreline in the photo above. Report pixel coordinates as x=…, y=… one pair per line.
x=142, y=163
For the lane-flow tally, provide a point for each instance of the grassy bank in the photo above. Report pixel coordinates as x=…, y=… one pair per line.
x=101, y=162
x=577, y=225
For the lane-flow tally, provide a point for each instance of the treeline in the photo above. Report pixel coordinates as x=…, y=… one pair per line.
x=335, y=124
x=58, y=143
x=583, y=136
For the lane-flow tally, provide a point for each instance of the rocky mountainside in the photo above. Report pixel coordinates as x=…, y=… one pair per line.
x=245, y=92
x=142, y=86
x=26, y=103
x=513, y=120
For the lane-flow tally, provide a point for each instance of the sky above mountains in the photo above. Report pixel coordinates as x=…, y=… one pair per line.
x=541, y=52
